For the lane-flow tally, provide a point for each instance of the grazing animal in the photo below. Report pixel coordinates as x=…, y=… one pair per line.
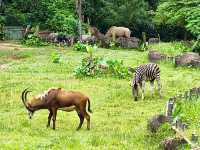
x=146, y=72
x=104, y=41
x=55, y=99
x=118, y=32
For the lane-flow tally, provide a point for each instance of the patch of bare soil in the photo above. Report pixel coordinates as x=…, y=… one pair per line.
x=4, y=67
x=8, y=45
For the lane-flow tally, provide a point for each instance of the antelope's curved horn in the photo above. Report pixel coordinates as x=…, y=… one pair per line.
x=24, y=97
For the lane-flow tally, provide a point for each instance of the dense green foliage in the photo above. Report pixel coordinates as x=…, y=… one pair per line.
x=61, y=16
x=56, y=15
x=182, y=13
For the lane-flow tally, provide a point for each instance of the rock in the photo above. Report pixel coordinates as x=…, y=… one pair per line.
x=195, y=63
x=131, y=42
x=172, y=143
x=186, y=59
x=156, y=56
x=153, y=40
x=90, y=40
x=156, y=121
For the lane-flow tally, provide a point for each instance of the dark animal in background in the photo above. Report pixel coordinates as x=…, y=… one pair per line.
x=155, y=122
x=104, y=41
x=147, y=72
x=55, y=99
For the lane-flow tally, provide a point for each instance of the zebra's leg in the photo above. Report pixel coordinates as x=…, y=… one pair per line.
x=152, y=87
x=159, y=86
x=142, y=86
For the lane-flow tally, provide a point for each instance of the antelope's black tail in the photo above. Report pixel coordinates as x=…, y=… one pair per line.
x=89, y=106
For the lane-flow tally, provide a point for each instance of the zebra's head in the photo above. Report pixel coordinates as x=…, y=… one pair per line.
x=135, y=89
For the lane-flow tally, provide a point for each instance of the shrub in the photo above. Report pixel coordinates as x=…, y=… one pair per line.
x=89, y=67
x=80, y=47
x=117, y=68
x=96, y=66
x=63, y=23
x=55, y=57
x=33, y=40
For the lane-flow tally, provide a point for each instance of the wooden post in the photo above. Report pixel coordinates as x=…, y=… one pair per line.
x=194, y=137
x=170, y=105
x=144, y=38
x=158, y=38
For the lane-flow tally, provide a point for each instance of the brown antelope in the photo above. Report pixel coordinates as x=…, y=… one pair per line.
x=58, y=99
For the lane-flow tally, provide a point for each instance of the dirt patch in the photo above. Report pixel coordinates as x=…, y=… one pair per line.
x=4, y=67
x=8, y=45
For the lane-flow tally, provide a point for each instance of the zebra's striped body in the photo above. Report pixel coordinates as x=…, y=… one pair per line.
x=146, y=72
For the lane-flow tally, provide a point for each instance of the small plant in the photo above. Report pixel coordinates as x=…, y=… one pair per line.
x=113, y=45
x=91, y=50
x=143, y=47
x=80, y=47
x=56, y=57
x=196, y=46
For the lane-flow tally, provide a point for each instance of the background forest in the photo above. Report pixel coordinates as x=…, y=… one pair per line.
x=172, y=19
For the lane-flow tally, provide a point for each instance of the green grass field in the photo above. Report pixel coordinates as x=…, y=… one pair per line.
x=117, y=121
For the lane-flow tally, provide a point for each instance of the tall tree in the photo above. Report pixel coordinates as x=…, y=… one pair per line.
x=79, y=12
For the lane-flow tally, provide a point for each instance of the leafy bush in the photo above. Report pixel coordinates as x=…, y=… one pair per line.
x=63, y=23
x=117, y=68
x=88, y=67
x=33, y=40
x=80, y=47
x=93, y=66
x=55, y=57
x=99, y=66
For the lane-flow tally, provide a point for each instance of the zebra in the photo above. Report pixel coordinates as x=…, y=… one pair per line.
x=146, y=72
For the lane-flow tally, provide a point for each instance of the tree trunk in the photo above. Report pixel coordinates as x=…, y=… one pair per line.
x=79, y=12
x=185, y=36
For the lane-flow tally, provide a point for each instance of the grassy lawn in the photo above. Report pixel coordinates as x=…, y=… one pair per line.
x=117, y=121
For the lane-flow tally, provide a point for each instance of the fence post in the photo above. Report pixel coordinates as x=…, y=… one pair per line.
x=170, y=105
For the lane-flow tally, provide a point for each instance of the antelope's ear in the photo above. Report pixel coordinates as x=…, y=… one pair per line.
x=132, y=70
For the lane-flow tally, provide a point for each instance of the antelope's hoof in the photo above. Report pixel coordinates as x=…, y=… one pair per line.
x=77, y=129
